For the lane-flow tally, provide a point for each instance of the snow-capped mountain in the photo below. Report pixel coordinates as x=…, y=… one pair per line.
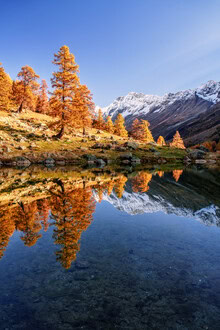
x=169, y=112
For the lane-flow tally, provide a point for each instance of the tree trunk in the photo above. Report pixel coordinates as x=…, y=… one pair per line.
x=20, y=107
x=60, y=134
x=84, y=131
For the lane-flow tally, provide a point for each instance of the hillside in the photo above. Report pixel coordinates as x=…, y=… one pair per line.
x=26, y=139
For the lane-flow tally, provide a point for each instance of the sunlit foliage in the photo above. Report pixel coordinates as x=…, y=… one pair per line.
x=120, y=126
x=177, y=141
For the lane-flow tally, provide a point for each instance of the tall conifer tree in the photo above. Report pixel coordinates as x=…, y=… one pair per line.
x=28, y=88
x=42, y=100
x=135, y=129
x=71, y=102
x=109, y=125
x=5, y=89
x=145, y=133
x=120, y=127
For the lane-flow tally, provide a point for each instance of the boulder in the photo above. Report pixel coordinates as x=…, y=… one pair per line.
x=98, y=146
x=22, y=161
x=90, y=157
x=109, y=146
x=49, y=162
x=94, y=138
x=119, y=148
x=197, y=154
x=21, y=148
x=131, y=145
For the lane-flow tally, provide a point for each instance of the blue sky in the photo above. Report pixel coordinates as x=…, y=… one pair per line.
x=149, y=46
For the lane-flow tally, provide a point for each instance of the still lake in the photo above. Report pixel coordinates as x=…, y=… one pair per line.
x=88, y=249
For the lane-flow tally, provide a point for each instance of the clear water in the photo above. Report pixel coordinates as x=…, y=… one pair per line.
x=144, y=256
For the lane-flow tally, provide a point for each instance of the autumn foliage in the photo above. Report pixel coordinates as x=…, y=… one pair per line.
x=42, y=105
x=5, y=89
x=27, y=88
x=177, y=174
x=99, y=122
x=72, y=212
x=140, y=183
x=160, y=141
x=120, y=126
x=71, y=102
x=28, y=222
x=109, y=125
x=177, y=141
x=140, y=131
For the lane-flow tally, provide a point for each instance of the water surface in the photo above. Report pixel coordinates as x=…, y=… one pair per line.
x=97, y=250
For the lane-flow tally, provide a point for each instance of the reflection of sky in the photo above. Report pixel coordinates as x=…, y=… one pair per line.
x=121, y=46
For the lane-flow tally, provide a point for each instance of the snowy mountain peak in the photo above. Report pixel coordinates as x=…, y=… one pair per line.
x=138, y=104
x=209, y=91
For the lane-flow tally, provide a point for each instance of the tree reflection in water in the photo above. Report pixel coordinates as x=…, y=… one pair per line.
x=68, y=204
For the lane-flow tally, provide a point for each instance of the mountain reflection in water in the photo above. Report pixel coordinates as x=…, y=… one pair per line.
x=48, y=210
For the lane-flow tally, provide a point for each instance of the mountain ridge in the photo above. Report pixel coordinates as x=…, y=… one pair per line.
x=170, y=112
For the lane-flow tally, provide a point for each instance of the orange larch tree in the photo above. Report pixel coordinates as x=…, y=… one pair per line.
x=99, y=122
x=177, y=141
x=28, y=88
x=42, y=105
x=64, y=82
x=120, y=126
x=5, y=89
x=145, y=133
x=109, y=125
x=161, y=141
x=83, y=108
x=71, y=102
x=135, y=129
